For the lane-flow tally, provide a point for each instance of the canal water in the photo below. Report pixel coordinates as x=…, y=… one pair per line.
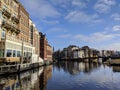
x=65, y=76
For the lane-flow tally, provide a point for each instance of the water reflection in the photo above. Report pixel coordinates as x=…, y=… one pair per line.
x=84, y=76
x=75, y=67
x=65, y=76
x=116, y=68
x=30, y=80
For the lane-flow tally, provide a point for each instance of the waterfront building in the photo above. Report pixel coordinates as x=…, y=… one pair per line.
x=49, y=52
x=36, y=39
x=24, y=36
x=10, y=46
x=74, y=52
x=86, y=50
x=43, y=46
x=45, y=49
x=65, y=53
x=78, y=53
x=107, y=53
x=19, y=37
x=96, y=53
x=70, y=50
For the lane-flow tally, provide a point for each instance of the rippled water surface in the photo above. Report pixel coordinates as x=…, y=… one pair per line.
x=65, y=76
x=84, y=76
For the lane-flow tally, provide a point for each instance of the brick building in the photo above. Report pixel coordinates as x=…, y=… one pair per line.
x=19, y=38
x=49, y=52
x=9, y=22
x=45, y=48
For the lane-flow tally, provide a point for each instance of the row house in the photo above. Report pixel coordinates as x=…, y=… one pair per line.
x=106, y=53
x=74, y=52
x=78, y=53
x=71, y=48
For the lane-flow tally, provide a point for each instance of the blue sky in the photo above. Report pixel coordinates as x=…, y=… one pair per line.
x=95, y=23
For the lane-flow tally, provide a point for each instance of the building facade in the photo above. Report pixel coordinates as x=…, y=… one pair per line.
x=10, y=46
x=49, y=52
x=19, y=38
x=45, y=48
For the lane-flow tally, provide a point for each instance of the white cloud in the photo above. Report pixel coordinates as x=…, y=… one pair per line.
x=104, y=6
x=56, y=29
x=116, y=17
x=116, y=28
x=79, y=3
x=101, y=8
x=41, y=9
x=66, y=3
x=81, y=17
x=62, y=3
x=64, y=36
x=107, y=2
x=96, y=37
x=50, y=22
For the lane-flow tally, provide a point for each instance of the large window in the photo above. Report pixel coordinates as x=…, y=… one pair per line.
x=18, y=54
x=9, y=53
x=14, y=53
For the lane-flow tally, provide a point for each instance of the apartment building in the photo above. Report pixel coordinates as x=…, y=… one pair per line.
x=70, y=50
x=24, y=36
x=49, y=52
x=10, y=47
x=78, y=53
x=36, y=40
x=45, y=48
x=19, y=38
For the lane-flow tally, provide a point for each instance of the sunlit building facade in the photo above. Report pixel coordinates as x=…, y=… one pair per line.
x=19, y=38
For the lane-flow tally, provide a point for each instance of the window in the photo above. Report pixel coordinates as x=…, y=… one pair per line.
x=14, y=53
x=18, y=54
x=1, y=52
x=9, y=53
x=3, y=34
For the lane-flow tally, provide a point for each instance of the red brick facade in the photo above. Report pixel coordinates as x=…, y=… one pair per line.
x=45, y=48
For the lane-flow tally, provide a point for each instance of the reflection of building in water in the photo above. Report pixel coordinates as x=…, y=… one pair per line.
x=76, y=67
x=25, y=81
x=44, y=77
x=8, y=83
x=116, y=69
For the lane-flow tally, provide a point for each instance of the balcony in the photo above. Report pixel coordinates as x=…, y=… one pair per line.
x=15, y=19
x=6, y=24
x=6, y=13
x=9, y=26
x=14, y=29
